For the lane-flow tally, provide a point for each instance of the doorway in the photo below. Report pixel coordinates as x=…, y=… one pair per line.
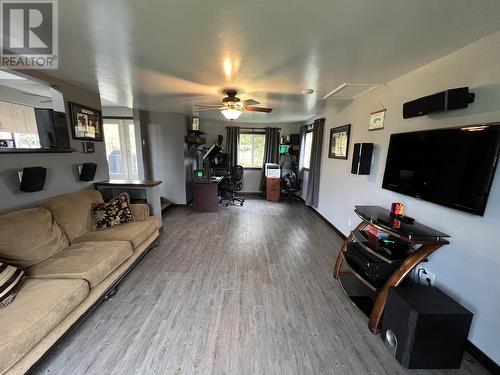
x=119, y=135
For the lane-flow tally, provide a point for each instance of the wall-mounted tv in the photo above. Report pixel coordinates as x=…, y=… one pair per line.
x=453, y=167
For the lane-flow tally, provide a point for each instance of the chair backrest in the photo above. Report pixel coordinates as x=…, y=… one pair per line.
x=237, y=173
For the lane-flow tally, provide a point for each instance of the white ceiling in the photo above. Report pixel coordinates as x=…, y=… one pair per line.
x=167, y=55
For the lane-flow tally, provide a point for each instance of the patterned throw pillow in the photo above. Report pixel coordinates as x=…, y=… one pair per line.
x=114, y=212
x=10, y=281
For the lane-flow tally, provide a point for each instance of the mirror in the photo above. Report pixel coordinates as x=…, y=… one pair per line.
x=32, y=117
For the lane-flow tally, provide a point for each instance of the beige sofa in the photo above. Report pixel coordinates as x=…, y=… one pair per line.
x=70, y=268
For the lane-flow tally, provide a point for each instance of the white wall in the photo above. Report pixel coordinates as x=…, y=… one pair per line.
x=468, y=268
x=251, y=177
x=108, y=111
x=62, y=175
x=166, y=133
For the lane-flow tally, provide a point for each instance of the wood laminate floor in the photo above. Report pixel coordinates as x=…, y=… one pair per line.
x=247, y=290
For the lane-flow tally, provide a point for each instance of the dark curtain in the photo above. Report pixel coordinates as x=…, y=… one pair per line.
x=232, y=145
x=315, y=163
x=303, y=130
x=271, y=152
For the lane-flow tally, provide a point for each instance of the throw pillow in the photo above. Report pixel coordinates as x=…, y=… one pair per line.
x=114, y=212
x=10, y=281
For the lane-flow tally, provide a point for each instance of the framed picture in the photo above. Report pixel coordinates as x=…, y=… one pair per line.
x=86, y=123
x=339, y=142
x=377, y=120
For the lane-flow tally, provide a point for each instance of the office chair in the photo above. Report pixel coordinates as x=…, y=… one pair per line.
x=289, y=181
x=291, y=185
x=229, y=186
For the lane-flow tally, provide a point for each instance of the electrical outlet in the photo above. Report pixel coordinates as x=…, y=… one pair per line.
x=424, y=277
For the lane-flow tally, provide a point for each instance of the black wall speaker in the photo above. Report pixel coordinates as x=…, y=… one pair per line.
x=362, y=158
x=33, y=179
x=87, y=172
x=442, y=101
x=424, y=328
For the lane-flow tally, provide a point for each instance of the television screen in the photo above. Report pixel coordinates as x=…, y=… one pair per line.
x=452, y=167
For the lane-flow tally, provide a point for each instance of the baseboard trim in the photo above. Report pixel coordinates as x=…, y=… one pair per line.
x=482, y=358
x=327, y=222
x=251, y=193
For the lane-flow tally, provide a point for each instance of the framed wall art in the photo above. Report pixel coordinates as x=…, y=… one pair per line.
x=86, y=123
x=339, y=142
x=377, y=120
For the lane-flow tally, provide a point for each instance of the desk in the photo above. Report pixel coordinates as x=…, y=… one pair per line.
x=205, y=195
x=150, y=190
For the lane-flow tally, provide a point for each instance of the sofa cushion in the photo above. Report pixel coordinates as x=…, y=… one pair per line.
x=114, y=212
x=40, y=306
x=140, y=211
x=29, y=236
x=135, y=232
x=91, y=261
x=73, y=211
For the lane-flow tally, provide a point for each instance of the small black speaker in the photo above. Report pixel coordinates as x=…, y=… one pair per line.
x=33, y=179
x=87, y=172
x=362, y=158
x=442, y=101
x=424, y=328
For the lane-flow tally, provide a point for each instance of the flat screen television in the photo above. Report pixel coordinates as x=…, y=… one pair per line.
x=453, y=167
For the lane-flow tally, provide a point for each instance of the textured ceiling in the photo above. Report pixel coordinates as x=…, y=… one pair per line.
x=168, y=55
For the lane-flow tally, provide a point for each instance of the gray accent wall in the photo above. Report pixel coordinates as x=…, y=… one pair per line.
x=468, y=268
x=62, y=174
x=165, y=153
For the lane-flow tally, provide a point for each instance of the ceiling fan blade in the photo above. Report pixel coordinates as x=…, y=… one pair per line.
x=208, y=105
x=249, y=102
x=209, y=109
x=258, y=109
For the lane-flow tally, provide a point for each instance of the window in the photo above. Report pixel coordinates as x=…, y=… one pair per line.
x=251, y=152
x=119, y=138
x=307, y=149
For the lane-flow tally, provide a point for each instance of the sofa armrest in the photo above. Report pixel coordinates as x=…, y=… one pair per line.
x=140, y=211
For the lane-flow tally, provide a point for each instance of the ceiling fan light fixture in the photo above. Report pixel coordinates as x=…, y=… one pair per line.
x=231, y=113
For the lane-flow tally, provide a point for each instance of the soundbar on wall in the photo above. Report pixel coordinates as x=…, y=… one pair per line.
x=442, y=101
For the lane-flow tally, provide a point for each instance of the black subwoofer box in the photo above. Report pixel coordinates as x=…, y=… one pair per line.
x=425, y=328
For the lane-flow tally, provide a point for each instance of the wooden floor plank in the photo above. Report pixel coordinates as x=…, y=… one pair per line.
x=246, y=290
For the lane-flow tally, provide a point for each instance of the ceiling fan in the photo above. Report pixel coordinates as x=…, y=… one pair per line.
x=232, y=107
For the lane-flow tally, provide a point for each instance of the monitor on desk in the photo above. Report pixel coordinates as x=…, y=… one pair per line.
x=212, y=151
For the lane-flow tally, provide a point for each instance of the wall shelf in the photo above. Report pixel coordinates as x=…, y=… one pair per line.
x=8, y=150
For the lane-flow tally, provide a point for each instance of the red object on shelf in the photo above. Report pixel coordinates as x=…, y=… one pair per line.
x=273, y=189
